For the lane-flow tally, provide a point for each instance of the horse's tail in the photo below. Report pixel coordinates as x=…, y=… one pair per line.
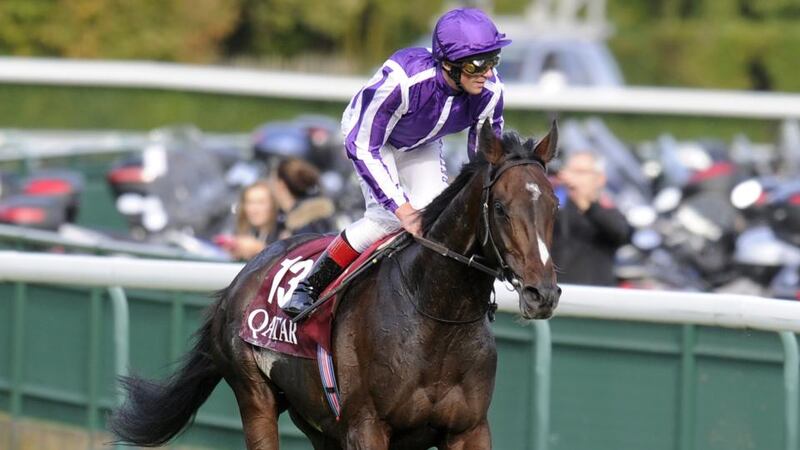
x=157, y=411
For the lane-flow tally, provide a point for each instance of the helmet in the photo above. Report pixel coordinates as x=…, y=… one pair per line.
x=465, y=32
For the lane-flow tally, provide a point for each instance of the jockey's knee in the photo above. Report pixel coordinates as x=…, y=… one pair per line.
x=366, y=231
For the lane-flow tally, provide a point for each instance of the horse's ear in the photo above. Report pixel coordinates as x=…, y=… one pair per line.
x=547, y=147
x=488, y=144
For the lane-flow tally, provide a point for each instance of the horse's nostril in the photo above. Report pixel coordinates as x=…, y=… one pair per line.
x=550, y=294
x=533, y=291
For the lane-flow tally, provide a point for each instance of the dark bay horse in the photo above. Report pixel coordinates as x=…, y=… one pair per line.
x=413, y=347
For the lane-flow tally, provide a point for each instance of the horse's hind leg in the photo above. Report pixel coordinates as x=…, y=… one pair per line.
x=259, y=410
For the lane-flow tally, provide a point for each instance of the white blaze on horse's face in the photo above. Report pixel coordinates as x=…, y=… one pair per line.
x=533, y=188
x=536, y=192
x=543, y=253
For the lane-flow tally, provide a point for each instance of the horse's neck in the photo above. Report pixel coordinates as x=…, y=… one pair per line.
x=457, y=226
x=448, y=288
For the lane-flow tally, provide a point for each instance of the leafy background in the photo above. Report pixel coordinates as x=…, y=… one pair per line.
x=732, y=44
x=739, y=44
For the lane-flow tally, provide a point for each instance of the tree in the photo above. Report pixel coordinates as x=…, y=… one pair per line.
x=737, y=44
x=365, y=31
x=178, y=30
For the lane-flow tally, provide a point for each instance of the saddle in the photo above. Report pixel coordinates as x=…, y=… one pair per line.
x=264, y=323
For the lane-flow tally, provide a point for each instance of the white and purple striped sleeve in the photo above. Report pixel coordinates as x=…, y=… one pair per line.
x=372, y=116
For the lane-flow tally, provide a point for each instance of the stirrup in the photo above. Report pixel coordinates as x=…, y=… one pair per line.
x=293, y=310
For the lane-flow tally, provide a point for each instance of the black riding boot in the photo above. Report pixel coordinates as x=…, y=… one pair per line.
x=323, y=272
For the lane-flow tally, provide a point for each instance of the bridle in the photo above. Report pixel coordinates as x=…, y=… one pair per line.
x=503, y=272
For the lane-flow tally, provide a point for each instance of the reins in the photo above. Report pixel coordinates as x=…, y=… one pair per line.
x=491, y=307
x=469, y=262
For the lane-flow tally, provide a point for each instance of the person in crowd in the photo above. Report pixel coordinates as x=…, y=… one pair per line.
x=393, y=129
x=297, y=192
x=589, y=228
x=256, y=221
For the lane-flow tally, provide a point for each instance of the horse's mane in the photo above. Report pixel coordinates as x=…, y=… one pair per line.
x=430, y=213
x=513, y=148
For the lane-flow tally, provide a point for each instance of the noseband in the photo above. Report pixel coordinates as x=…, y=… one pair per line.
x=503, y=272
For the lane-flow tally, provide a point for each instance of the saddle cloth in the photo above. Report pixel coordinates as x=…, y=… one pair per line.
x=266, y=325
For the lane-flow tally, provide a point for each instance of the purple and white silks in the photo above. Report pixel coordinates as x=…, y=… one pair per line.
x=408, y=104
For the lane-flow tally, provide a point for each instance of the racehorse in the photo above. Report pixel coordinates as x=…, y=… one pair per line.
x=412, y=342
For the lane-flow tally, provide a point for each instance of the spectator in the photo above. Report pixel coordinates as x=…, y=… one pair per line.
x=296, y=189
x=256, y=221
x=588, y=229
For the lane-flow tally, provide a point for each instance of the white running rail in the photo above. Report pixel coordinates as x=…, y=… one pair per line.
x=723, y=310
x=303, y=86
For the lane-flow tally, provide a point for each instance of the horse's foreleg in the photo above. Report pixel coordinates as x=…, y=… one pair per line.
x=259, y=410
x=369, y=434
x=478, y=438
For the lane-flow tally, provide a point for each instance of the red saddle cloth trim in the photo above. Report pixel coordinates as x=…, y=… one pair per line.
x=266, y=325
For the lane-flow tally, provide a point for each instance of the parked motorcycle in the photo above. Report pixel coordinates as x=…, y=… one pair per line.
x=176, y=191
x=45, y=199
x=685, y=236
x=769, y=251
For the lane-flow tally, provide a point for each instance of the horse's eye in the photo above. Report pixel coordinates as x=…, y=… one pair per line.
x=498, y=209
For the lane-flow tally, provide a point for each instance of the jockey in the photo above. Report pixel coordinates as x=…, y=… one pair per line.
x=393, y=128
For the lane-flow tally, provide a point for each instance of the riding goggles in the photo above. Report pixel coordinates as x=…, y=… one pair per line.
x=479, y=64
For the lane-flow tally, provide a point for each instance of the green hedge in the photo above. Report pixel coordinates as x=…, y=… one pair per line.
x=711, y=55
x=138, y=109
x=702, y=43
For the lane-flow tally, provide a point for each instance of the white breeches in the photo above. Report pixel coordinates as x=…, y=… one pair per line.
x=421, y=174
